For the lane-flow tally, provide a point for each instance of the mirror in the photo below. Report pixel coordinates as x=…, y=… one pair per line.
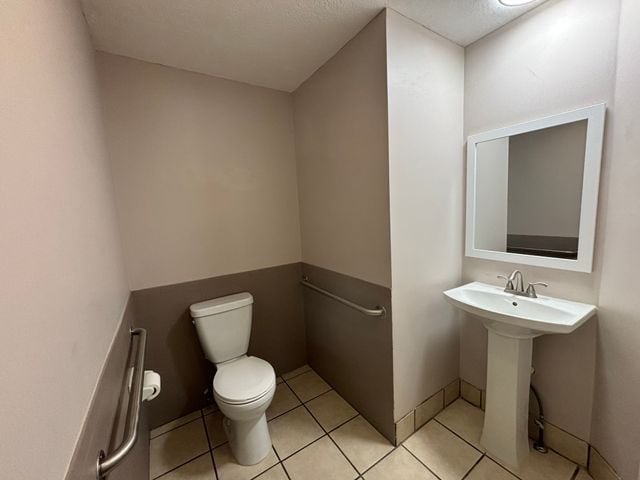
x=532, y=191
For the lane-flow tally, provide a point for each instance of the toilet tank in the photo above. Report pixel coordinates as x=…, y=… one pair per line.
x=224, y=326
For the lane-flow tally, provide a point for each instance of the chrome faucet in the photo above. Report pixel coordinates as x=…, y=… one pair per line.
x=515, y=285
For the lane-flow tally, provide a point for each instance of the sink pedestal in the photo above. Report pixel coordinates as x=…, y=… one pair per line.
x=505, y=431
x=513, y=322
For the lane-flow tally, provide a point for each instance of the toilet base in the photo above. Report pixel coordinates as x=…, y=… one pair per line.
x=249, y=439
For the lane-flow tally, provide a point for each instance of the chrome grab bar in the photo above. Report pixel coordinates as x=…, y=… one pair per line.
x=105, y=462
x=372, y=312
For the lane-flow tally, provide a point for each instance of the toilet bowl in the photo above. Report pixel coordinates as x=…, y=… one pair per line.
x=243, y=386
x=243, y=389
x=243, y=398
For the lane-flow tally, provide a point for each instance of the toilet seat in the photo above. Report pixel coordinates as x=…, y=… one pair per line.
x=244, y=380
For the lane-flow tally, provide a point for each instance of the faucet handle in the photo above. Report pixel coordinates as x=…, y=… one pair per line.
x=531, y=289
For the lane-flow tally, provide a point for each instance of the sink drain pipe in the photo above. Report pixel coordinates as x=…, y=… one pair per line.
x=538, y=444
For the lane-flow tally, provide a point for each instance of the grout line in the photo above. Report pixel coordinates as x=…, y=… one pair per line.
x=284, y=413
x=575, y=473
x=314, y=419
x=503, y=467
x=181, y=465
x=420, y=461
x=484, y=454
x=473, y=466
x=176, y=427
x=301, y=448
x=562, y=454
x=345, y=456
x=380, y=460
x=280, y=462
x=206, y=432
x=343, y=423
x=337, y=427
x=297, y=375
x=317, y=396
x=457, y=435
x=474, y=447
x=470, y=403
x=325, y=431
x=272, y=466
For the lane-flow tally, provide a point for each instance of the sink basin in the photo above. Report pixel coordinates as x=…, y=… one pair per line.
x=513, y=321
x=520, y=316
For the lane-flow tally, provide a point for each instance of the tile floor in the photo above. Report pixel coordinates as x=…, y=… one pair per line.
x=317, y=435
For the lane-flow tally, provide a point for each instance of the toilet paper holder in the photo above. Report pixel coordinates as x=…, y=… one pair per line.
x=151, y=384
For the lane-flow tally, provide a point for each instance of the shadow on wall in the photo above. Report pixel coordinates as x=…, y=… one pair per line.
x=173, y=348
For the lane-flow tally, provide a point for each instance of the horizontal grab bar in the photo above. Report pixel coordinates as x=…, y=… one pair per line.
x=106, y=463
x=372, y=312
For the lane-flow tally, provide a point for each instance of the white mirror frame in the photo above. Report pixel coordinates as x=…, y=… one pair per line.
x=595, y=116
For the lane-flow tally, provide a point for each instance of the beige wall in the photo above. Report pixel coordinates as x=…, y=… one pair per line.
x=425, y=88
x=616, y=424
x=204, y=172
x=556, y=58
x=545, y=180
x=62, y=287
x=342, y=158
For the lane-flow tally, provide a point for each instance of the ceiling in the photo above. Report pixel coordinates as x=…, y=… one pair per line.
x=271, y=43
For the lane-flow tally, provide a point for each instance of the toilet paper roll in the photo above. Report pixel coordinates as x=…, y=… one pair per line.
x=151, y=385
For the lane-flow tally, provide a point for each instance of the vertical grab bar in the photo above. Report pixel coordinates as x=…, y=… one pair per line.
x=105, y=462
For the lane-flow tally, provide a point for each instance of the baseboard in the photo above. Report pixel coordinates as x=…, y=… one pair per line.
x=560, y=441
x=424, y=412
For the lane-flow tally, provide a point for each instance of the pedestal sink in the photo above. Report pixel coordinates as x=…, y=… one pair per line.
x=513, y=321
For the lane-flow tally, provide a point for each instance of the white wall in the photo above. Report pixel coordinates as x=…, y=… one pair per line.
x=62, y=282
x=558, y=57
x=616, y=424
x=342, y=159
x=425, y=91
x=204, y=172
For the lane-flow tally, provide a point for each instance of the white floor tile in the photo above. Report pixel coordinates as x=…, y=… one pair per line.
x=361, y=443
x=296, y=372
x=215, y=429
x=176, y=447
x=199, y=469
x=399, y=465
x=175, y=423
x=331, y=410
x=308, y=385
x=464, y=419
x=229, y=469
x=549, y=466
x=446, y=455
x=320, y=461
x=487, y=469
x=293, y=430
x=283, y=401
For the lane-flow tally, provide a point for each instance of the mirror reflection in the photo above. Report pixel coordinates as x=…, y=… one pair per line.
x=529, y=191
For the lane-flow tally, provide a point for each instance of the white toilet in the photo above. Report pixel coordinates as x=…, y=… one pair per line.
x=243, y=386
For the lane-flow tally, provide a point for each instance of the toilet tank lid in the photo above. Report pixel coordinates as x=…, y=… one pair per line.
x=221, y=304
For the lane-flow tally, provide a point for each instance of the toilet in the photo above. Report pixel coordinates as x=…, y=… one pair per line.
x=243, y=386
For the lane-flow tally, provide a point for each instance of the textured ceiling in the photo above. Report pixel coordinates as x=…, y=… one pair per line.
x=272, y=43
